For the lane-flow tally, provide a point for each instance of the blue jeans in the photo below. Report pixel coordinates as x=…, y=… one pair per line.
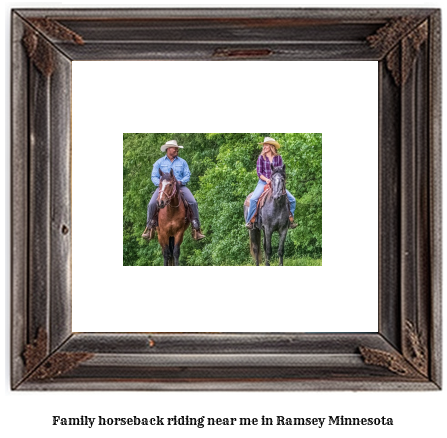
x=258, y=192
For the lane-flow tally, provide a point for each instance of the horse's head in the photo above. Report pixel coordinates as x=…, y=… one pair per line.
x=168, y=188
x=278, y=181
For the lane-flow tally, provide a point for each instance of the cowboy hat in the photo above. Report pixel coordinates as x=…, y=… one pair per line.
x=272, y=141
x=170, y=144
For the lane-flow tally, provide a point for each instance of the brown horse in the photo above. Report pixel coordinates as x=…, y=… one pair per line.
x=172, y=218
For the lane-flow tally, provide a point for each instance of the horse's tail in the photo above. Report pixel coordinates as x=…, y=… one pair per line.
x=255, y=243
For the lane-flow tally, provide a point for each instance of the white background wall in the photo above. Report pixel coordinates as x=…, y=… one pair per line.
x=414, y=414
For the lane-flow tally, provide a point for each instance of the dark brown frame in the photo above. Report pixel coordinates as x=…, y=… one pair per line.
x=405, y=354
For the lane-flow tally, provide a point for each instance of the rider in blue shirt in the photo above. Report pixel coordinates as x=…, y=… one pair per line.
x=178, y=165
x=182, y=174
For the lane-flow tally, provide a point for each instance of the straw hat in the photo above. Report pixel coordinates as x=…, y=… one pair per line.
x=170, y=144
x=272, y=141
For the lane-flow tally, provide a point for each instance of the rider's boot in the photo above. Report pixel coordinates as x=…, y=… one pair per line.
x=292, y=224
x=195, y=223
x=196, y=231
x=149, y=232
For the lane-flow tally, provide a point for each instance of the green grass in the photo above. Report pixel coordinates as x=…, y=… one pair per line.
x=305, y=261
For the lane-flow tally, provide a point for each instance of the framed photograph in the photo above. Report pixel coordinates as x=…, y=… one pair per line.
x=223, y=341
x=214, y=175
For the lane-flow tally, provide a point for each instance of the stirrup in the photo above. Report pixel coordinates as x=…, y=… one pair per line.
x=249, y=225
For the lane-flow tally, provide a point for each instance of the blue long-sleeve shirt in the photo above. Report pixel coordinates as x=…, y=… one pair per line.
x=179, y=165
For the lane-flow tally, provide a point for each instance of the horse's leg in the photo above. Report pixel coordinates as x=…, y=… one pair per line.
x=166, y=253
x=258, y=246
x=267, y=245
x=282, y=239
x=171, y=251
x=163, y=240
x=167, y=256
x=177, y=242
x=264, y=244
x=176, y=255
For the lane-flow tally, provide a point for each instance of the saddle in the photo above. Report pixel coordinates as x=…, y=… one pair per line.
x=260, y=203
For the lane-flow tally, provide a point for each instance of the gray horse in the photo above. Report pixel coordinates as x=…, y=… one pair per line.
x=273, y=216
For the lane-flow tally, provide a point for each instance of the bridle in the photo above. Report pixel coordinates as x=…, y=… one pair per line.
x=169, y=197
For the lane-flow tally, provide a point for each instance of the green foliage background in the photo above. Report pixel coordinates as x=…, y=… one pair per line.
x=223, y=173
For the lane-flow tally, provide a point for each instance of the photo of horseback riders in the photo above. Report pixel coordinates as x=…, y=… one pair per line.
x=231, y=190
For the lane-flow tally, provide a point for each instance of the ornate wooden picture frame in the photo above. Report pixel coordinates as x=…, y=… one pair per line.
x=405, y=353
